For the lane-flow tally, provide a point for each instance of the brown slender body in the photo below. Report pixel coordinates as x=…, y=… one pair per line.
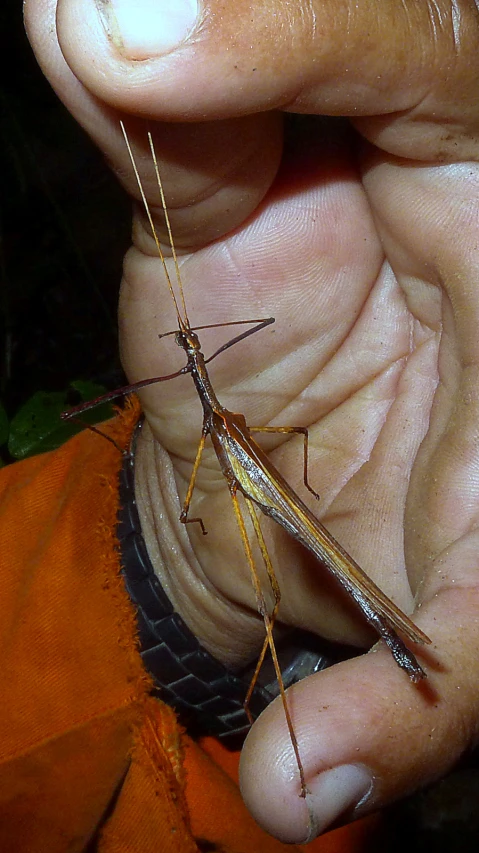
x=248, y=469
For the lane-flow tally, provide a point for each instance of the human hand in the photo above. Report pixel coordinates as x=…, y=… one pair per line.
x=364, y=249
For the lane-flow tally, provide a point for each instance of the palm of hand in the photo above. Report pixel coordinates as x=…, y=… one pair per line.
x=358, y=280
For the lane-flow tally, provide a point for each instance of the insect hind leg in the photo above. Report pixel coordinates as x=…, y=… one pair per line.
x=268, y=619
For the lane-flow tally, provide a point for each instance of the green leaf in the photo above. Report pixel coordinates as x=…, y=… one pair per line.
x=37, y=426
x=4, y=426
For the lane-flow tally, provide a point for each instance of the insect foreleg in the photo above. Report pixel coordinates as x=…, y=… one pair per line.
x=301, y=431
x=261, y=324
x=191, y=486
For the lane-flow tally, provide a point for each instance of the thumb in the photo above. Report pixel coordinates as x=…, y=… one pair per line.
x=366, y=735
x=406, y=62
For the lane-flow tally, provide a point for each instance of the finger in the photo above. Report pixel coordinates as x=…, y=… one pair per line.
x=214, y=174
x=294, y=257
x=407, y=61
x=366, y=735
x=428, y=220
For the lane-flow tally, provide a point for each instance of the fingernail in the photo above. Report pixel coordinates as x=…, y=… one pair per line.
x=335, y=792
x=141, y=29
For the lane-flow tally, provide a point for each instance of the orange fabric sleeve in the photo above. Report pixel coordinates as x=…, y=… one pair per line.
x=86, y=754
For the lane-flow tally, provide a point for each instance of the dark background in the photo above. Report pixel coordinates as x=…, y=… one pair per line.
x=64, y=227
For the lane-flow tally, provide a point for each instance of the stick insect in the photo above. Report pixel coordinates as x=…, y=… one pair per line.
x=248, y=471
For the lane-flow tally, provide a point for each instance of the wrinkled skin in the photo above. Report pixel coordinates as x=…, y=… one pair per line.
x=365, y=248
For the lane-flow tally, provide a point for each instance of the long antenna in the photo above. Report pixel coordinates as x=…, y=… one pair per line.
x=161, y=255
x=168, y=227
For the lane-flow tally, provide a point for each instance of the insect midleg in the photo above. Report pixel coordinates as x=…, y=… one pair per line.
x=186, y=505
x=268, y=618
x=300, y=431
